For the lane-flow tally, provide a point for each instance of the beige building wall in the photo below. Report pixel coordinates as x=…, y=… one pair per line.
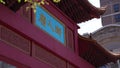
x=108, y=37
x=112, y=14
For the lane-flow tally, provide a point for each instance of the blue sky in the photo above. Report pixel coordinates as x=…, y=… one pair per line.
x=91, y=25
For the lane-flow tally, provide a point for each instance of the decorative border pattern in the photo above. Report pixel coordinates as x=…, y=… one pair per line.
x=14, y=39
x=47, y=57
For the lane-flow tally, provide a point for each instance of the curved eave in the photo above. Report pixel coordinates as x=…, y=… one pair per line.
x=94, y=42
x=94, y=10
x=79, y=10
x=94, y=53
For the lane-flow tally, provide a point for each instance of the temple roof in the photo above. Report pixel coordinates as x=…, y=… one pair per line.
x=94, y=53
x=79, y=10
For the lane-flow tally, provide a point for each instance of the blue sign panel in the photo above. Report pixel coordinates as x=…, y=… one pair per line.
x=49, y=24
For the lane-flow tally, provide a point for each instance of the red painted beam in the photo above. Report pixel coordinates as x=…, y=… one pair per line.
x=19, y=57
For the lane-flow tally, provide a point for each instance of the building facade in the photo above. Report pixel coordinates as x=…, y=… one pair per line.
x=111, y=21
x=108, y=36
x=112, y=14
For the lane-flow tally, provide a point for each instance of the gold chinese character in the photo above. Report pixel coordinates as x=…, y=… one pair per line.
x=51, y=27
x=43, y=19
x=58, y=30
